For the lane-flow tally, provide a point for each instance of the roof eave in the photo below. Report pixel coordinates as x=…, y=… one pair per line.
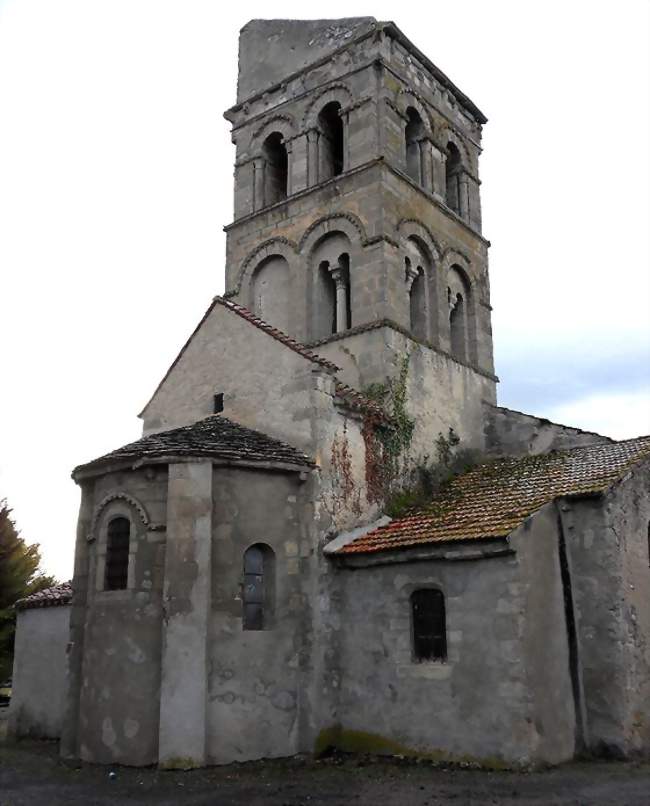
x=100, y=468
x=479, y=548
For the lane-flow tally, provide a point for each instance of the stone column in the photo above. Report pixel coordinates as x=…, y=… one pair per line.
x=186, y=610
x=463, y=196
x=69, y=747
x=426, y=164
x=299, y=163
x=288, y=144
x=258, y=183
x=341, y=281
x=439, y=159
x=312, y=157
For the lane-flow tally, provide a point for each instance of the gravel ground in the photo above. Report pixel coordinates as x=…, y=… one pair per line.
x=31, y=774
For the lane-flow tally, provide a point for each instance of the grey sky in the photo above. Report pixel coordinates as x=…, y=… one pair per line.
x=115, y=182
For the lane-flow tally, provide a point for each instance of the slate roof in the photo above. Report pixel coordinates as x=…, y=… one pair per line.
x=214, y=437
x=493, y=499
x=50, y=597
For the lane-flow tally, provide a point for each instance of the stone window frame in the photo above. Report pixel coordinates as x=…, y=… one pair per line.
x=117, y=508
x=414, y=654
x=268, y=574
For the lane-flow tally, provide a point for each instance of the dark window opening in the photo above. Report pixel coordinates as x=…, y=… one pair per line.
x=452, y=176
x=458, y=328
x=414, y=133
x=346, y=315
x=117, y=554
x=429, y=628
x=218, y=403
x=276, y=167
x=331, y=141
x=258, y=590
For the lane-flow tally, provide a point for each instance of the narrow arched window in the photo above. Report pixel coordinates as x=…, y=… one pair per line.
x=413, y=133
x=331, y=141
x=276, y=168
x=259, y=587
x=429, y=624
x=458, y=327
x=117, y=554
x=452, y=177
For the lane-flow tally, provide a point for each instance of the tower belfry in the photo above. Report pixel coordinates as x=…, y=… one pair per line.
x=357, y=216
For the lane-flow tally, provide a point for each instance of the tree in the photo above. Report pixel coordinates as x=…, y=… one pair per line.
x=19, y=576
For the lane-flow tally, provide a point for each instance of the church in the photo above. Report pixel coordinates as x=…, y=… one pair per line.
x=282, y=564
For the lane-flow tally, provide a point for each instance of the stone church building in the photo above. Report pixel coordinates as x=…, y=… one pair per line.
x=245, y=585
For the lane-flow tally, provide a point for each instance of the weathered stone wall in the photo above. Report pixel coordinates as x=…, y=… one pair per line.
x=116, y=634
x=255, y=677
x=441, y=393
x=607, y=540
x=504, y=692
x=39, y=674
x=513, y=433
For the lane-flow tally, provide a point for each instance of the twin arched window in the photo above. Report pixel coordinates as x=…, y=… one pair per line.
x=116, y=569
x=428, y=624
x=258, y=595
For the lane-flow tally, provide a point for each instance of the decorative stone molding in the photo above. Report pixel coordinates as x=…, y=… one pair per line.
x=348, y=223
x=408, y=97
x=451, y=135
x=282, y=123
x=451, y=255
x=279, y=245
x=119, y=496
x=334, y=92
x=409, y=227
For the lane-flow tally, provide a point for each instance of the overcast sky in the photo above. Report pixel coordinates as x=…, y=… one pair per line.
x=115, y=182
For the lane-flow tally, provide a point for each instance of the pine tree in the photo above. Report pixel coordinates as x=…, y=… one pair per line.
x=19, y=576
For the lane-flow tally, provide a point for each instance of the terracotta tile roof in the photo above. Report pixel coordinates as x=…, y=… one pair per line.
x=50, y=597
x=493, y=499
x=358, y=402
x=278, y=335
x=214, y=437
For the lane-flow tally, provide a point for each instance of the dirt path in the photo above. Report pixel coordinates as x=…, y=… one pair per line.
x=32, y=775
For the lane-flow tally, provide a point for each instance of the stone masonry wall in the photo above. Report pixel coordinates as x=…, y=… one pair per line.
x=512, y=433
x=39, y=675
x=501, y=695
x=108, y=720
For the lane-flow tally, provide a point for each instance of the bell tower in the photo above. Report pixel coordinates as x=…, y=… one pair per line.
x=357, y=215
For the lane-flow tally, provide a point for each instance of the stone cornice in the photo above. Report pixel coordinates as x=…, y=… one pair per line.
x=358, y=169
x=390, y=323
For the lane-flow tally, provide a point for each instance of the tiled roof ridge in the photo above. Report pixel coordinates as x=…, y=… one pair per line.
x=357, y=400
x=494, y=498
x=263, y=447
x=48, y=597
x=275, y=333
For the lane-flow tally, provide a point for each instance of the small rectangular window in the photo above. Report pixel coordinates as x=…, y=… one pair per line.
x=218, y=403
x=429, y=628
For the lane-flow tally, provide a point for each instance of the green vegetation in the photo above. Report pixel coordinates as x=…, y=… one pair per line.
x=427, y=478
x=19, y=576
